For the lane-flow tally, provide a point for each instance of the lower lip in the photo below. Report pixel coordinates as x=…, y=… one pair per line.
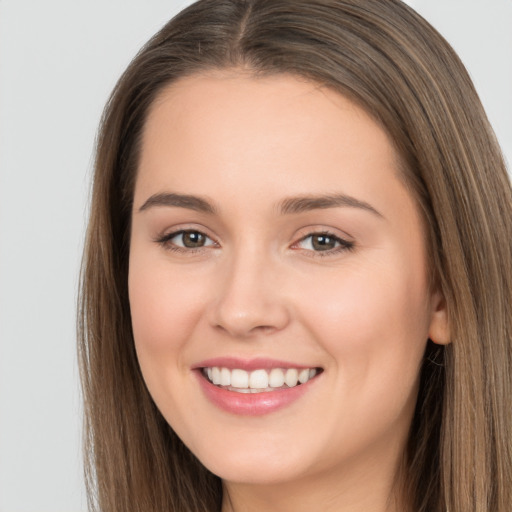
x=251, y=404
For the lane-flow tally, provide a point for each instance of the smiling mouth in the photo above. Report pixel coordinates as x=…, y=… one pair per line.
x=258, y=381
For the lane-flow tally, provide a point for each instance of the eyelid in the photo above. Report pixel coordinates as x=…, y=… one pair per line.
x=346, y=242
x=322, y=229
x=164, y=239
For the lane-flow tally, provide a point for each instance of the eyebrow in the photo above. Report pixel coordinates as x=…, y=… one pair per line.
x=307, y=203
x=179, y=200
x=288, y=206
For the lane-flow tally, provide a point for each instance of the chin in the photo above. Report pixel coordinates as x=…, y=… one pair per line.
x=255, y=466
x=272, y=472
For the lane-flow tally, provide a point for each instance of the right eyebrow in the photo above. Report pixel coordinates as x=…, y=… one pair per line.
x=196, y=203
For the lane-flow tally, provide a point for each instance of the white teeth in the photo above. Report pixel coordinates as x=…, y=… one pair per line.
x=225, y=377
x=216, y=375
x=239, y=378
x=276, y=378
x=304, y=376
x=291, y=377
x=258, y=380
x=243, y=390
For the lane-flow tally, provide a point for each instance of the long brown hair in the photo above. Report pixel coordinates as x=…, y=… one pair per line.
x=384, y=56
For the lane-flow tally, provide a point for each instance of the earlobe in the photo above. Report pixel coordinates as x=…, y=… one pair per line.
x=439, y=330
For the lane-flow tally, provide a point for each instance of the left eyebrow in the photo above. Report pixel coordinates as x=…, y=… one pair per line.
x=306, y=203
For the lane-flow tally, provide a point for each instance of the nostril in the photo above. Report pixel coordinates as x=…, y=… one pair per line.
x=243, y=331
x=256, y=321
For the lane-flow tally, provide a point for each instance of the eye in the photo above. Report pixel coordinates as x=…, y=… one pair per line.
x=186, y=239
x=324, y=242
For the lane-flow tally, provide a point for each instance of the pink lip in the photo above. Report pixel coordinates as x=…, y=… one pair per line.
x=248, y=364
x=250, y=404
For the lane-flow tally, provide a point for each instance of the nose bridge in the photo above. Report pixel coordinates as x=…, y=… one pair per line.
x=249, y=300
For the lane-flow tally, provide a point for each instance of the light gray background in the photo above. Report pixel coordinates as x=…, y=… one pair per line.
x=58, y=62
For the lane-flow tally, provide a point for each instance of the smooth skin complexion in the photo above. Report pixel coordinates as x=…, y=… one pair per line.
x=271, y=229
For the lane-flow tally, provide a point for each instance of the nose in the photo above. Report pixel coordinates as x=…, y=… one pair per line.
x=251, y=299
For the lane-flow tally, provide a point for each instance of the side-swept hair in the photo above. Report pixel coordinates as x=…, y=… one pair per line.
x=385, y=57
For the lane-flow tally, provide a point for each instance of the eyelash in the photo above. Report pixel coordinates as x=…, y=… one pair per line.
x=165, y=241
x=343, y=245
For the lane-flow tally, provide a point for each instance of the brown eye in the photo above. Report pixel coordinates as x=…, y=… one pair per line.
x=185, y=239
x=323, y=242
x=193, y=239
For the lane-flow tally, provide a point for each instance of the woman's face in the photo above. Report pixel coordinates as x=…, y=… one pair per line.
x=273, y=242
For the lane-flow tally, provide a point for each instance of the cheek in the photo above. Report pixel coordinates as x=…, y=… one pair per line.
x=165, y=308
x=374, y=326
x=372, y=319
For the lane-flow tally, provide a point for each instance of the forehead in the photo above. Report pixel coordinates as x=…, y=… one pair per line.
x=252, y=100
x=260, y=127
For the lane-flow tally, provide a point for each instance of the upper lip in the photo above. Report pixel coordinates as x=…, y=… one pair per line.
x=249, y=364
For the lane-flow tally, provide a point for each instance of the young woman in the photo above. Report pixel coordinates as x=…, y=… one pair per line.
x=297, y=285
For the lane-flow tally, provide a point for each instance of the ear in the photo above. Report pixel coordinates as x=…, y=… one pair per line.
x=439, y=329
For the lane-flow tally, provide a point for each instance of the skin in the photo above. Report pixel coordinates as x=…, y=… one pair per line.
x=259, y=288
